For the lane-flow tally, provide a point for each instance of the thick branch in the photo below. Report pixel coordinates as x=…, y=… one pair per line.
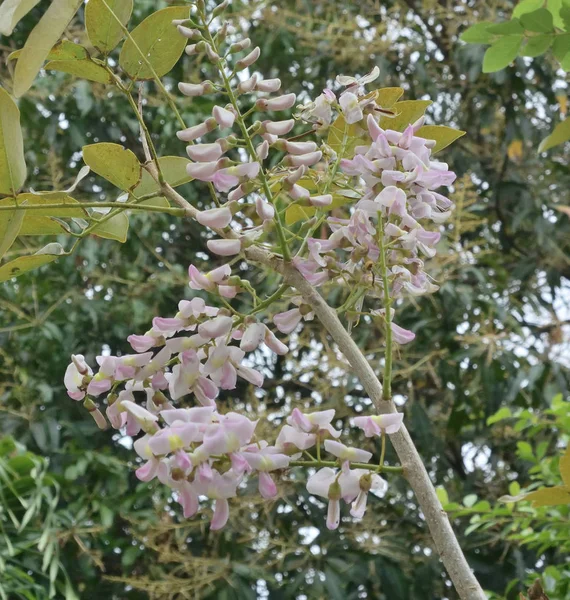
x=436, y=518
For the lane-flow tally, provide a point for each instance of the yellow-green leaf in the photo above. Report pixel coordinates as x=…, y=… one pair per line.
x=113, y=162
x=115, y=228
x=22, y=264
x=355, y=136
x=103, y=20
x=550, y=496
x=85, y=69
x=407, y=112
x=39, y=221
x=174, y=170
x=387, y=97
x=560, y=134
x=156, y=42
x=442, y=495
x=12, y=11
x=297, y=213
x=12, y=162
x=10, y=225
x=565, y=467
x=443, y=136
x=41, y=40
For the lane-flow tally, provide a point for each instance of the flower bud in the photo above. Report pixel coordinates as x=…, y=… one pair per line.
x=213, y=56
x=324, y=200
x=196, y=89
x=220, y=8
x=248, y=85
x=305, y=159
x=203, y=170
x=193, y=133
x=265, y=210
x=205, y=152
x=297, y=192
x=223, y=116
x=274, y=104
x=239, y=46
x=262, y=150
x=296, y=175
x=269, y=85
x=223, y=32
x=278, y=127
x=224, y=247
x=248, y=60
x=215, y=217
x=191, y=34
x=300, y=147
x=191, y=50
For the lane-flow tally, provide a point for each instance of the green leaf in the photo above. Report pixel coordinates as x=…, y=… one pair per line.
x=500, y=415
x=478, y=34
x=524, y=450
x=512, y=27
x=10, y=224
x=561, y=46
x=85, y=69
x=554, y=7
x=502, y=53
x=560, y=134
x=13, y=11
x=443, y=136
x=103, y=29
x=113, y=162
x=442, y=496
x=550, y=496
x=354, y=137
x=469, y=500
x=158, y=41
x=115, y=228
x=74, y=59
x=565, y=467
x=22, y=264
x=407, y=112
x=527, y=6
x=41, y=40
x=39, y=221
x=12, y=162
x=514, y=488
x=297, y=213
x=540, y=21
x=537, y=45
x=387, y=97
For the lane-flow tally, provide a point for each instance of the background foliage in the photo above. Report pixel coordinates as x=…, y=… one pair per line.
x=74, y=520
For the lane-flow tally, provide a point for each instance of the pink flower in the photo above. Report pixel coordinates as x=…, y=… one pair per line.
x=287, y=321
x=197, y=131
x=351, y=108
x=317, y=422
x=319, y=201
x=346, y=453
x=378, y=424
x=367, y=482
x=75, y=375
x=401, y=335
x=291, y=440
x=305, y=159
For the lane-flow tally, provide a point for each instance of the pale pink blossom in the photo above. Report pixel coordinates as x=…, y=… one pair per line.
x=377, y=424
x=224, y=247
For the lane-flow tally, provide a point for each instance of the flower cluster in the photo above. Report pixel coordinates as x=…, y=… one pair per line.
x=200, y=452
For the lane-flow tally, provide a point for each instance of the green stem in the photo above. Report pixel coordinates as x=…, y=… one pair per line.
x=119, y=205
x=273, y=298
x=382, y=450
x=387, y=391
x=250, y=148
x=333, y=463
